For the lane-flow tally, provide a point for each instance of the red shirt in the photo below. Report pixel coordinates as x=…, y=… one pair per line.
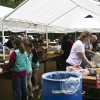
x=71, y=41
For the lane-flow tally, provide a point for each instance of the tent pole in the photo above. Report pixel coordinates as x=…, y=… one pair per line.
x=15, y=9
x=3, y=39
x=47, y=36
x=54, y=21
x=62, y=15
x=26, y=34
x=3, y=24
x=75, y=35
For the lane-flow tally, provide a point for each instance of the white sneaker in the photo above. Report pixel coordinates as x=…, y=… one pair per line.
x=35, y=88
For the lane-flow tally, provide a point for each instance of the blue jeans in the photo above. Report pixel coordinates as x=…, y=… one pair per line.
x=83, y=64
x=19, y=87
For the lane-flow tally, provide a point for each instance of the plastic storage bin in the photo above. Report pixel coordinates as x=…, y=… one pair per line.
x=61, y=85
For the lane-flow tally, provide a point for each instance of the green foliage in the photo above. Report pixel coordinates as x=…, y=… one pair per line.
x=10, y=3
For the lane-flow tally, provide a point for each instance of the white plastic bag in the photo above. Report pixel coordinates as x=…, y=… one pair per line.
x=96, y=59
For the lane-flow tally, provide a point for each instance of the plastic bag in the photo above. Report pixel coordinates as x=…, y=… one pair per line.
x=62, y=82
x=96, y=59
x=78, y=69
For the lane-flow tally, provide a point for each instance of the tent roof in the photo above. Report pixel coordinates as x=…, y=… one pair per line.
x=11, y=25
x=96, y=2
x=75, y=16
x=87, y=23
x=4, y=11
x=48, y=11
x=90, y=24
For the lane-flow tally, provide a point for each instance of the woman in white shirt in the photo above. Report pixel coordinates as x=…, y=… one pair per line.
x=77, y=53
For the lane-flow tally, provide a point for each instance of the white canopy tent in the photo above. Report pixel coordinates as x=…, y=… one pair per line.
x=96, y=2
x=58, y=13
x=81, y=13
x=48, y=11
x=11, y=25
x=4, y=11
x=15, y=26
x=89, y=24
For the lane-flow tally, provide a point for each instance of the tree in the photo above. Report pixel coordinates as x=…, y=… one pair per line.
x=10, y=3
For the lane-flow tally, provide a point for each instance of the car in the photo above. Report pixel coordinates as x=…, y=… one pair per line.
x=5, y=38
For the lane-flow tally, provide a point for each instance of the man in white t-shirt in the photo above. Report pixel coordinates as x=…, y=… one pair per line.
x=88, y=49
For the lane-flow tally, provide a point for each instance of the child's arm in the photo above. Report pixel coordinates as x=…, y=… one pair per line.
x=12, y=59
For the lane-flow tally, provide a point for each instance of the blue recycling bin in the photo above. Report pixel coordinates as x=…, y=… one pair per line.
x=61, y=85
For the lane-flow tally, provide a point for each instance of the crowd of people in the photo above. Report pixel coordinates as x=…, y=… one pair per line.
x=80, y=52
x=77, y=53
x=23, y=65
x=23, y=62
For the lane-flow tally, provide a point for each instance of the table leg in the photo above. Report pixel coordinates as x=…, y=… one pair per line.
x=45, y=67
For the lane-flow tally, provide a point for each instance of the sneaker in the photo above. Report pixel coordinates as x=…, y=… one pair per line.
x=35, y=88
